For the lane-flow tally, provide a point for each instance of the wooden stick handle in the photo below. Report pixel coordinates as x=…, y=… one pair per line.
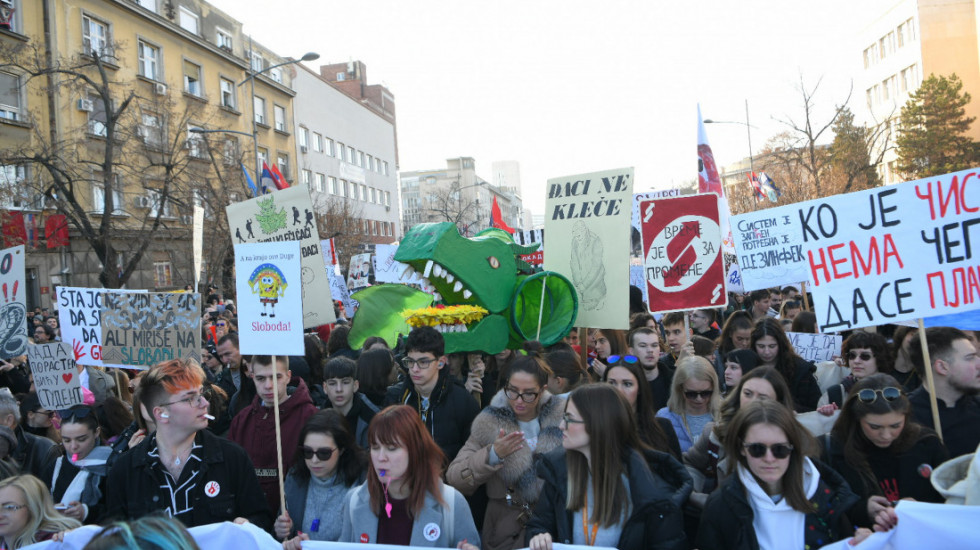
x=275, y=408
x=930, y=380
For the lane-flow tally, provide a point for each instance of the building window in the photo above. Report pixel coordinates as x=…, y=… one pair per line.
x=369, y=162
x=317, y=142
x=95, y=37
x=280, y=117
x=332, y=181
x=188, y=20
x=195, y=144
x=283, y=162
x=157, y=204
x=341, y=77
x=364, y=193
x=320, y=182
x=151, y=129
x=263, y=158
x=385, y=166
x=13, y=190
x=192, y=79
x=329, y=147
x=303, y=137
x=352, y=191
x=149, y=60
x=343, y=188
x=96, y=117
x=306, y=177
x=387, y=198
x=161, y=275
x=350, y=154
x=339, y=150
x=257, y=62
x=11, y=92
x=360, y=158
x=98, y=195
x=148, y=4
x=227, y=93
x=258, y=105
x=230, y=152
x=374, y=195
x=276, y=75
x=222, y=38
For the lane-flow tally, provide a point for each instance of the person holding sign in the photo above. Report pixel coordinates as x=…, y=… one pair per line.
x=404, y=502
x=774, y=349
x=601, y=490
x=183, y=470
x=77, y=479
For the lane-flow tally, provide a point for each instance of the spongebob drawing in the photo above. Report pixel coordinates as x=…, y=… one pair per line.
x=269, y=283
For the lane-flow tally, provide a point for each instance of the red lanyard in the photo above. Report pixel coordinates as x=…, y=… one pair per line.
x=590, y=541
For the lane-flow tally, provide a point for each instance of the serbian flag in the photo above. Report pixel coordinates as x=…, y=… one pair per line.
x=496, y=219
x=710, y=182
x=768, y=187
x=281, y=182
x=56, y=230
x=251, y=184
x=756, y=186
x=268, y=179
x=14, y=232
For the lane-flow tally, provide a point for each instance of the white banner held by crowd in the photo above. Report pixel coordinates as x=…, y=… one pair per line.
x=80, y=319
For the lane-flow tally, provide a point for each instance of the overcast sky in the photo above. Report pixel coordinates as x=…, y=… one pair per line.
x=572, y=86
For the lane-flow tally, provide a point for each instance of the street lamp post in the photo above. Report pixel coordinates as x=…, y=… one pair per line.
x=748, y=129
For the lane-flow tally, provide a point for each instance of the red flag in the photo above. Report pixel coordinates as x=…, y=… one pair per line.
x=14, y=232
x=496, y=219
x=56, y=230
x=280, y=179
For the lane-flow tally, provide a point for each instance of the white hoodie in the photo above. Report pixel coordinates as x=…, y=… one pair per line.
x=778, y=526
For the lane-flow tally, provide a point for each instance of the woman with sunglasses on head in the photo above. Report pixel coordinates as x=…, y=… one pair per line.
x=775, y=350
x=883, y=454
x=27, y=513
x=626, y=375
x=606, y=343
x=694, y=399
x=404, y=501
x=777, y=499
x=865, y=353
x=328, y=463
x=506, y=440
x=600, y=490
x=78, y=479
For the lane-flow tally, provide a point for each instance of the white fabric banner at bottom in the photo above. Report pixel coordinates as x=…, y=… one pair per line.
x=924, y=525
x=215, y=535
x=320, y=545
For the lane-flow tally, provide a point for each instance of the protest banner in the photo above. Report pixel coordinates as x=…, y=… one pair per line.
x=140, y=330
x=270, y=304
x=733, y=282
x=56, y=375
x=288, y=215
x=387, y=270
x=13, y=312
x=769, y=247
x=358, y=271
x=588, y=227
x=324, y=545
x=197, y=235
x=80, y=320
x=338, y=286
x=683, y=265
x=815, y=347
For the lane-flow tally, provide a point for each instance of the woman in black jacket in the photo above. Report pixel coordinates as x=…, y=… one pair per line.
x=883, y=454
x=599, y=435
x=775, y=350
x=777, y=499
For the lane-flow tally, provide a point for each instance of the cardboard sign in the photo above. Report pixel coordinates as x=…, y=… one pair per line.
x=733, y=282
x=769, y=247
x=288, y=215
x=683, y=265
x=56, y=375
x=80, y=319
x=815, y=347
x=587, y=219
x=13, y=312
x=270, y=302
x=337, y=284
x=387, y=270
x=140, y=330
x=358, y=271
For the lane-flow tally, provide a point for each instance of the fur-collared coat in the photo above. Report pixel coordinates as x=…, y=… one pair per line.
x=515, y=477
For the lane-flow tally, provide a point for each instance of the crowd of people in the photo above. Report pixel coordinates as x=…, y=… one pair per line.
x=690, y=431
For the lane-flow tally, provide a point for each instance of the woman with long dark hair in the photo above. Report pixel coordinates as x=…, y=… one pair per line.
x=600, y=490
x=777, y=499
x=404, y=501
x=775, y=350
x=78, y=479
x=884, y=455
x=328, y=463
x=626, y=375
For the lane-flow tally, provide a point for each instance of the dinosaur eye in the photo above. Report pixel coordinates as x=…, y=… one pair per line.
x=494, y=262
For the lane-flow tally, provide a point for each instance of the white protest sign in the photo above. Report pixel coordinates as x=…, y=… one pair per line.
x=80, y=317
x=270, y=301
x=648, y=196
x=288, y=215
x=387, y=270
x=769, y=247
x=815, y=347
x=358, y=271
x=13, y=312
x=141, y=329
x=338, y=286
x=734, y=279
x=55, y=375
x=587, y=220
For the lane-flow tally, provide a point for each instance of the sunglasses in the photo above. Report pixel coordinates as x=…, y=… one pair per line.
x=323, y=454
x=221, y=324
x=74, y=413
x=631, y=359
x=706, y=394
x=48, y=414
x=865, y=356
x=868, y=396
x=758, y=450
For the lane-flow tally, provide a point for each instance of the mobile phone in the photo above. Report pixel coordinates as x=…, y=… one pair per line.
x=61, y=507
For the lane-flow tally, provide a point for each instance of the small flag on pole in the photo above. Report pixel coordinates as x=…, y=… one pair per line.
x=281, y=182
x=251, y=184
x=268, y=179
x=497, y=219
x=768, y=187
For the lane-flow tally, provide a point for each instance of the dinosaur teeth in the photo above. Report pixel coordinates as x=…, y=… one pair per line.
x=450, y=278
x=436, y=297
x=407, y=273
x=428, y=269
x=438, y=270
x=458, y=286
x=467, y=294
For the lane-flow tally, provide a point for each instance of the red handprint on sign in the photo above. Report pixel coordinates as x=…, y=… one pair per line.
x=77, y=347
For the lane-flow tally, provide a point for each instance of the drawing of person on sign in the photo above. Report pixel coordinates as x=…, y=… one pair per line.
x=588, y=272
x=270, y=284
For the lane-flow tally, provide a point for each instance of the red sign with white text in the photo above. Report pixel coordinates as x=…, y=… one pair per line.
x=683, y=266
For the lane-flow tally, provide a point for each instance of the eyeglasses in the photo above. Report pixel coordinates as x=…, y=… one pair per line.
x=631, y=359
x=11, y=508
x=323, y=454
x=527, y=397
x=74, y=413
x=758, y=450
x=195, y=400
x=869, y=396
x=48, y=414
x=569, y=420
x=422, y=364
x=865, y=356
x=706, y=394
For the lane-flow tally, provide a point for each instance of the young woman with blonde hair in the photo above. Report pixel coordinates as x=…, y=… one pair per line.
x=28, y=513
x=694, y=399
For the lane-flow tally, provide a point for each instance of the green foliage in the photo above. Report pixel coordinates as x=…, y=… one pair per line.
x=933, y=137
x=850, y=157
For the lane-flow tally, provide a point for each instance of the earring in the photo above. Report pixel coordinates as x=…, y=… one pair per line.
x=164, y=415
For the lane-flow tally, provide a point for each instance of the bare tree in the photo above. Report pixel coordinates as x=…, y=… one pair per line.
x=451, y=205
x=341, y=219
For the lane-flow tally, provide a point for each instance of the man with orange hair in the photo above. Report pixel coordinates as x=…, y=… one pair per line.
x=183, y=470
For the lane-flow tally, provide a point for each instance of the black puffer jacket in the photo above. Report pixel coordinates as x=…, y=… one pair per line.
x=727, y=518
x=656, y=521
